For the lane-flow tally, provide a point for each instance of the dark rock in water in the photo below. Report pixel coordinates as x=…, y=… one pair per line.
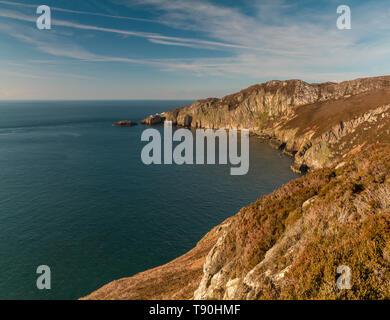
x=125, y=123
x=276, y=144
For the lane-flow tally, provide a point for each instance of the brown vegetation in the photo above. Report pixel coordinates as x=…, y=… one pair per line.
x=293, y=251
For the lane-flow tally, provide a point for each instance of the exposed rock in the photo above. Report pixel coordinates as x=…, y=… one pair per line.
x=340, y=165
x=187, y=121
x=308, y=202
x=124, y=123
x=308, y=121
x=153, y=120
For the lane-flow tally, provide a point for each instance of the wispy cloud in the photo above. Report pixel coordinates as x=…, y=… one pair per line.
x=54, y=45
x=97, y=14
x=163, y=39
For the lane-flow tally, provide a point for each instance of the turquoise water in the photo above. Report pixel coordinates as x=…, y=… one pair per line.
x=74, y=195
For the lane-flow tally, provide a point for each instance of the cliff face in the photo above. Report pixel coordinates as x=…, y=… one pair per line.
x=289, y=244
x=318, y=123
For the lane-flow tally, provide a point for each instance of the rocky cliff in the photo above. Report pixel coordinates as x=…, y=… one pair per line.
x=317, y=123
x=289, y=244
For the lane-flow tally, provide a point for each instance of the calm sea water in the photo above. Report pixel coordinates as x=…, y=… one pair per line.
x=74, y=195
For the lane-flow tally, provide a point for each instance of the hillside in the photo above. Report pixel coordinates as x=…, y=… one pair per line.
x=288, y=245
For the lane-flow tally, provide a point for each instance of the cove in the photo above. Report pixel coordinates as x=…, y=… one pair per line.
x=75, y=196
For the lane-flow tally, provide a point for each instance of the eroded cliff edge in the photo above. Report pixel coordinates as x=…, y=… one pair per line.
x=316, y=123
x=288, y=245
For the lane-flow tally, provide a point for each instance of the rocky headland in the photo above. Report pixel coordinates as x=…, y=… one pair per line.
x=289, y=244
x=316, y=123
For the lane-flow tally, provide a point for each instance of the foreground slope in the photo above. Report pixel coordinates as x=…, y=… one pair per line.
x=290, y=243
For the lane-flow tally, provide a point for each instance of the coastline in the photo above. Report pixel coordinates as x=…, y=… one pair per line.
x=278, y=237
x=317, y=124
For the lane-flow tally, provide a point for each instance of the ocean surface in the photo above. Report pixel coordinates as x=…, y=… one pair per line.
x=75, y=195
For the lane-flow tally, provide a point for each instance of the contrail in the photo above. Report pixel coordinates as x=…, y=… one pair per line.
x=147, y=35
x=79, y=12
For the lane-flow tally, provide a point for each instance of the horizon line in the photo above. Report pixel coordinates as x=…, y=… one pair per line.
x=88, y=99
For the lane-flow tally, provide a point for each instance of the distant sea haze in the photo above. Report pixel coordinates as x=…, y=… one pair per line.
x=76, y=196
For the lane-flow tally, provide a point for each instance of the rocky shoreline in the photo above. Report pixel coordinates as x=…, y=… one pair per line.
x=307, y=121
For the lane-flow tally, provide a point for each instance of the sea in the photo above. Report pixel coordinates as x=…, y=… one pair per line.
x=76, y=197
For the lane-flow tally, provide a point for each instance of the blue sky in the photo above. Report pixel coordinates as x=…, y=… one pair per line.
x=178, y=49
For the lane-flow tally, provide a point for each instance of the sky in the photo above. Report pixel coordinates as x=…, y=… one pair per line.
x=179, y=49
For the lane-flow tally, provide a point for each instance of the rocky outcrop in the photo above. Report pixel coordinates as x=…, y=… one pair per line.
x=153, y=120
x=124, y=123
x=306, y=120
